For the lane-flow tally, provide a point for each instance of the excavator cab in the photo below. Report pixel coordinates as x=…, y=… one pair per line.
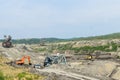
x=22, y=60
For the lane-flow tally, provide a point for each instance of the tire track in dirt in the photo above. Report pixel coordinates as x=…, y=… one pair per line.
x=68, y=74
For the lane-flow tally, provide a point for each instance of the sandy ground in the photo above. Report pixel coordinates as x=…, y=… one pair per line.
x=79, y=70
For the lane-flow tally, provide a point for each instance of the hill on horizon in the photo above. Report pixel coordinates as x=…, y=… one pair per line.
x=51, y=40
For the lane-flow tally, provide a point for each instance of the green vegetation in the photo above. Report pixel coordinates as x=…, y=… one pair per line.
x=10, y=73
x=118, y=57
x=35, y=41
x=28, y=76
x=21, y=76
x=51, y=40
x=109, y=36
x=105, y=48
x=41, y=41
x=39, y=49
x=1, y=76
x=64, y=47
x=110, y=47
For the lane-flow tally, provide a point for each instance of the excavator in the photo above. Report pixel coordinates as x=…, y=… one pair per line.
x=20, y=63
x=22, y=60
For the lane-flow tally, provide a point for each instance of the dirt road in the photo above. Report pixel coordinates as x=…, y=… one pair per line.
x=97, y=68
x=68, y=74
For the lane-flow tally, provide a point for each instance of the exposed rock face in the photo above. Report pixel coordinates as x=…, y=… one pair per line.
x=19, y=51
x=100, y=69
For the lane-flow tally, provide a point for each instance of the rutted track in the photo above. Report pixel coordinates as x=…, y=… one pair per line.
x=13, y=53
x=68, y=74
x=98, y=68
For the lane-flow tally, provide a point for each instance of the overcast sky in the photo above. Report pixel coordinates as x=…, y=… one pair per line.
x=58, y=18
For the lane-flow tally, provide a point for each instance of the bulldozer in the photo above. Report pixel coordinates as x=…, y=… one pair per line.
x=7, y=42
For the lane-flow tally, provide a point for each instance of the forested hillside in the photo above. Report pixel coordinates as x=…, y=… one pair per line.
x=50, y=40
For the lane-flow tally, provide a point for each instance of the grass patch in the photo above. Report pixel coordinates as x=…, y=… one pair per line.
x=39, y=49
x=10, y=73
x=29, y=76
x=110, y=47
x=2, y=76
x=105, y=48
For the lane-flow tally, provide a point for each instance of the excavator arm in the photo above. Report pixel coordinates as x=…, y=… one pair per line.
x=22, y=60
